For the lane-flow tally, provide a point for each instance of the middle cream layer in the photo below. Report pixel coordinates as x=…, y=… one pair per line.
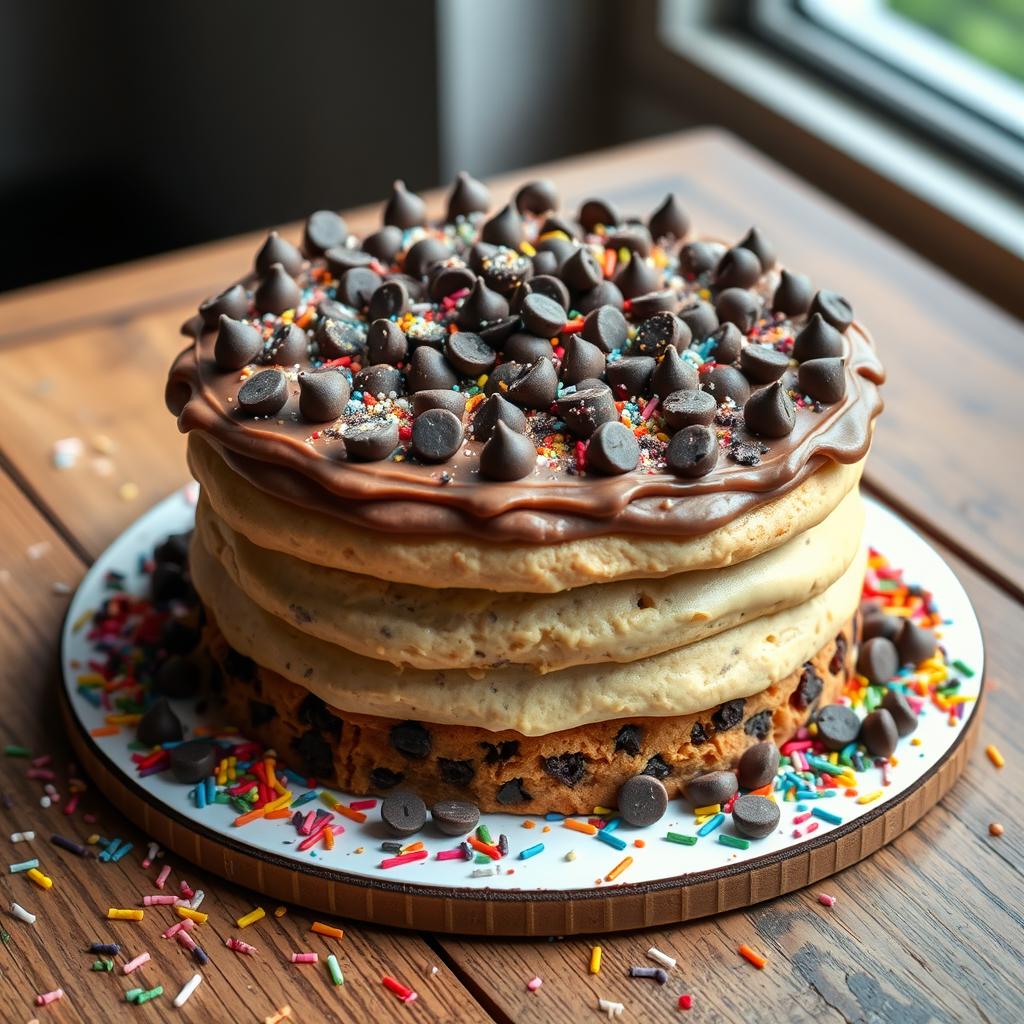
x=685, y=680
x=622, y=621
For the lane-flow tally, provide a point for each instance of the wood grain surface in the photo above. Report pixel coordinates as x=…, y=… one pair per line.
x=929, y=928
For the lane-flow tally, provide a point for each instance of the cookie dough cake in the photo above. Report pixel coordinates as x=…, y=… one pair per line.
x=514, y=507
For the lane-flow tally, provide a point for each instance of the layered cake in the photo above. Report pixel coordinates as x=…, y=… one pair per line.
x=522, y=507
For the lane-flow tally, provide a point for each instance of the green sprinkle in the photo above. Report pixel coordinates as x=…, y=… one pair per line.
x=481, y=858
x=335, y=971
x=964, y=668
x=13, y=750
x=678, y=837
x=734, y=841
x=102, y=965
x=483, y=833
x=132, y=995
x=151, y=994
x=5, y=936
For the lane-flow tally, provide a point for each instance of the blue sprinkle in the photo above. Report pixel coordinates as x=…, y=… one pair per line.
x=832, y=819
x=304, y=799
x=710, y=826
x=611, y=840
x=554, y=816
x=800, y=808
x=531, y=851
x=200, y=794
x=806, y=794
x=121, y=852
x=613, y=825
x=211, y=789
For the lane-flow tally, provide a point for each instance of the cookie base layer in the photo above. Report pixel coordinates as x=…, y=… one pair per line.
x=570, y=772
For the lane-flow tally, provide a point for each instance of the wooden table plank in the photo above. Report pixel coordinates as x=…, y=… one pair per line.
x=892, y=949
x=49, y=954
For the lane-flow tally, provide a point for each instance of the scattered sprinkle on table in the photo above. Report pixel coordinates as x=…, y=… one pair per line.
x=533, y=984
x=187, y=989
x=246, y=919
x=755, y=958
x=994, y=756
x=995, y=829
x=595, y=960
x=325, y=929
x=664, y=959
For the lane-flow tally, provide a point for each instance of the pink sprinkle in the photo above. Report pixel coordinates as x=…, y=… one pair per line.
x=533, y=984
x=802, y=733
x=40, y=773
x=161, y=879
x=72, y=804
x=184, y=939
x=312, y=840
x=49, y=997
x=799, y=760
x=159, y=901
x=886, y=774
x=362, y=805
x=455, y=854
x=185, y=925
x=41, y=762
x=142, y=958
x=307, y=823
x=813, y=827
x=794, y=745
x=186, y=890
x=305, y=958
x=649, y=408
x=797, y=833
x=825, y=900
x=240, y=947
x=801, y=818
x=403, y=858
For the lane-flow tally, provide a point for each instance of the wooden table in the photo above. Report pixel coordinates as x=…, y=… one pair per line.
x=929, y=928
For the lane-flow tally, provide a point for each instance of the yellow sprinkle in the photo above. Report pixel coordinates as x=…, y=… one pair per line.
x=193, y=915
x=602, y=811
x=39, y=878
x=282, y=801
x=868, y=798
x=595, y=960
x=280, y=911
x=571, y=855
x=113, y=914
x=618, y=869
x=704, y=817
x=251, y=918
x=122, y=719
x=527, y=250
x=128, y=491
x=93, y=839
x=704, y=812
x=90, y=678
x=916, y=741
x=994, y=756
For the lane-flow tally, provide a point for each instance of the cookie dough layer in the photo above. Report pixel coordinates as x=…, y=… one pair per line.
x=571, y=771
x=475, y=629
x=443, y=561
x=733, y=664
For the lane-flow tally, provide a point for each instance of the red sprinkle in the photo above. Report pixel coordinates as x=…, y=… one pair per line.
x=685, y=1001
x=403, y=858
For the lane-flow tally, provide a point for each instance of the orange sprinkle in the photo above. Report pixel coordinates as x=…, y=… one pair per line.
x=492, y=851
x=328, y=838
x=253, y=815
x=639, y=843
x=529, y=824
x=755, y=958
x=618, y=869
x=105, y=730
x=347, y=812
x=991, y=751
x=280, y=812
x=412, y=848
x=326, y=929
x=580, y=826
x=763, y=791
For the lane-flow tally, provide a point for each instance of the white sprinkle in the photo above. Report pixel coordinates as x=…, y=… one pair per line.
x=37, y=550
x=44, y=801
x=66, y=452
x=22, y=914
x=662, y=958
x=22, y=837
x=198, y=899
x=59, y=587
x=485, y=872
x=190, y=986
x=611, y=1009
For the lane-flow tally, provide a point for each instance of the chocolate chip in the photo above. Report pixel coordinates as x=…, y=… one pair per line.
x=386, y=342
x=168, y=583
x=629, y=740
x=512, y=792
x=508, y=273
x=263, y=394
x=410, y=739
x=762, y=364
x=770, y=412
x=755, y=816
x=738, y=268
x=445, y=281
x=176, y=637
x=758, y=765
x=658, y=332
x=499, y=380
x=606, y=327
x=878, y=660
x=428, y=370
x=379, y=380
x=662, y=301
x=641, y=800
x=669, y=220
x=606, y=293
x=385, y=778
x=287, y=346
x=159, y=724
x=507, y=455
x=808, y=688
x=174, y=548
x=759, y=725
x=426, y=334
x=453, y=401
x=436, y=435
x=467, y=196
x=726, y=382
x=356, y=286
x=469, y=354
x=403, y=813
x=726, y=343
x=837, y=663
x=324, y=230
x=835, y=310
x=194, y=760
x=536, y=387
x=545, y=284
x=537, y=197
x=526, y=348
x=838, y=726
x=542, y=315
x=596, y=211
x=390, y=299
x=630, y=377
x=582, y=359
x=404, y=209
x=696, y=258
x=341, y=259
x=455, y=817
x=546, y=263
x=491, y=411
x=880, y=624
x=692, y=452
x=587, y=409
x=817, y=340
x=878, y=733
x=568, y=769
x=581, y=271
x=755, y=242
x=240, y=667
x=504, y=228
x=729, y=714
x=372, y=440
x=278, y=250
x=793, y=294
x=738, y=306
x=613, y=450
x=711, y=788
x=903, y=715
x=657, y=768
x=384, y=244
x=672, y=374
x=237, y=344
x=232, y=302
x=687, y=408
x=424, y=254
x=637, y=277
x=481, y=306
x=634, y=237
x=277, y=291
x=455, y=773
x=701, y=318
x=323, y=395
x=823, y=379
x=314, y=712
x=915, y=643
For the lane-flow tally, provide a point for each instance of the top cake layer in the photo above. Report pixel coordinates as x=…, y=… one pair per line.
x=527, y=377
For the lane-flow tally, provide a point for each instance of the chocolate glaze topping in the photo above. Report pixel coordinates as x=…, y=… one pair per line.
x=396, y=489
